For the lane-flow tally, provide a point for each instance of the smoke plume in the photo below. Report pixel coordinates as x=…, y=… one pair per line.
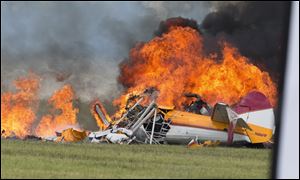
x=255, y=28
x=82, y=43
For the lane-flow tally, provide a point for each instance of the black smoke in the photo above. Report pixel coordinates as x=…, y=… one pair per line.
x=255, y=28
x=164, y=26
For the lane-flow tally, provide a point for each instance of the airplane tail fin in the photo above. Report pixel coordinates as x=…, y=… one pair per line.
x=223, y=113
x=254, y=113
x=257, y=111
x=99, y=113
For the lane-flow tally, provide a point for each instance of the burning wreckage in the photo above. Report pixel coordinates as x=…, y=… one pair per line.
x=251, y=121
x=173, y=62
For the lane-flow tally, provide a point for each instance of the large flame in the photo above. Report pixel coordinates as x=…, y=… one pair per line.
x=62, y=101
x=175, y=64
x=18, y=110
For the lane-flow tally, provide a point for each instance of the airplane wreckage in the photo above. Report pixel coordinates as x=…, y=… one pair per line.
x=248, y=123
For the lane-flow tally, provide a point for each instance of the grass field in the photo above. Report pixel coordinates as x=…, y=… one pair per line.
x=33, y=159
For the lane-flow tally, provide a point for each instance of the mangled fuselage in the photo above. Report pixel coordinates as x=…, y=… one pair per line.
x=250, y=121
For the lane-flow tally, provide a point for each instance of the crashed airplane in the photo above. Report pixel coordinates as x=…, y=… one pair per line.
x=250, y=122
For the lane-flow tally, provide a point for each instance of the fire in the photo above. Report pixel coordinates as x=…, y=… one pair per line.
x=18, y=109
x=62, y=101
x=175, y=64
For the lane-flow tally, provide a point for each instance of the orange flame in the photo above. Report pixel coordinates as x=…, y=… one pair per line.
x=62, y=100
x=18, y=109
x=175, y=64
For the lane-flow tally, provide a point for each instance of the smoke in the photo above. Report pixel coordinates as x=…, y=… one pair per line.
x=80, y=43
x=255, y=28
x=165, y=26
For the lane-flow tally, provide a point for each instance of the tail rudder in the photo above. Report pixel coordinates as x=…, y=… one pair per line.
x=99, y=113
x=257, y=111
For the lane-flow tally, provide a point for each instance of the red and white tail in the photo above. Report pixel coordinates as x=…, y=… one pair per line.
x=257, y=111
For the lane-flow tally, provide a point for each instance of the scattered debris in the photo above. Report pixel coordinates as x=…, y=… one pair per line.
x=32, y=137
x=194, y=144
x=71, y=135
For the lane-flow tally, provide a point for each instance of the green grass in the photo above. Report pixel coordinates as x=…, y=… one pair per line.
x=33, y=159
